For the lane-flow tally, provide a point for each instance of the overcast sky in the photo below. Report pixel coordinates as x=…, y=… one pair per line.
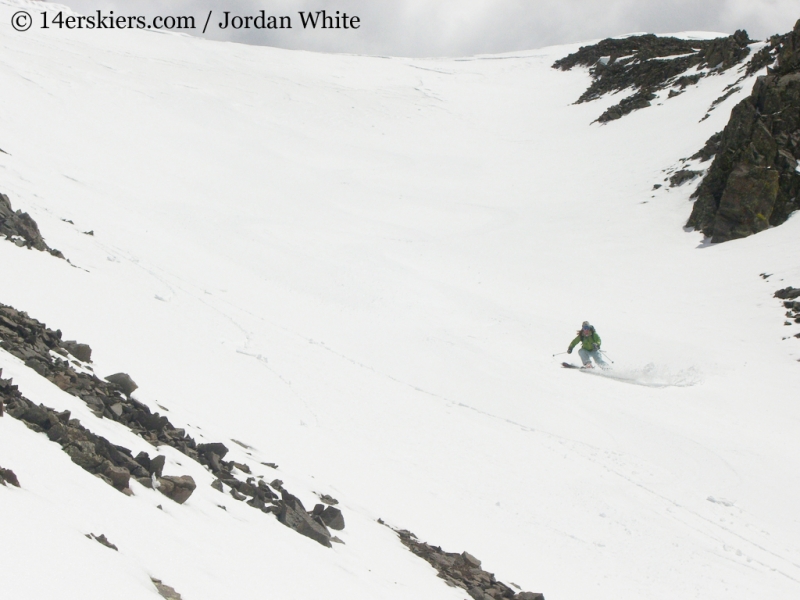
x=466, y=27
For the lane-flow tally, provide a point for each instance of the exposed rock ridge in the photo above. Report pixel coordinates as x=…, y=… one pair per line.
x=65, y=363
x=113, y=464
x=20, y=228
x=463, y=571
x=753, y=182
x=648, y=63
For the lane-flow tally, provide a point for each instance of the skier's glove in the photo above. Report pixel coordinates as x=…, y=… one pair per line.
x=569, y=350
x=596, y=347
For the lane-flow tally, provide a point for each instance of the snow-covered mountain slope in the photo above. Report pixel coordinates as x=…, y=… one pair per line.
x=362, y=268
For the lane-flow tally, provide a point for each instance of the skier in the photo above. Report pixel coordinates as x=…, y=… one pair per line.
x=590, y=346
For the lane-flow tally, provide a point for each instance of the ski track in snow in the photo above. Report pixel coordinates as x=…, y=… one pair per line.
x=649, y=375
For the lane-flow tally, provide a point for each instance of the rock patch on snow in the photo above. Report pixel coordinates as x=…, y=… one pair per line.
x=649, y=63
x=20, y=228
x=463, y=571
x=40, y=347
x=8, y=476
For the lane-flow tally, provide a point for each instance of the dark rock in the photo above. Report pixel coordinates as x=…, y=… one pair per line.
x=143, y=458
x=19, y=226
x=242, y=467
x=788, y=294
x=747, y=202
x=119, y=476
x=710, y=148
x=477, y=593
x=102, y=539
x=28, y=339
x=217, y=485
x=333, y=518
x=213, y=448
x=178, y=489
x=124, y=381
x=146, y=482
x=470, y=560
x=461, y=570
x=682, y=176
x=648, y=63
x=37, y=365
x=636, y=101
x=247, y=489
x=753, y=182
x=8, y=476
x=165, y=591
x=157, y=465
x=256, y=503
x=299, y=520
x=82, y=352
x=83, y=454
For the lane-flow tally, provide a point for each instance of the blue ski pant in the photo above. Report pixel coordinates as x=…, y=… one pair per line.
x=587, y=355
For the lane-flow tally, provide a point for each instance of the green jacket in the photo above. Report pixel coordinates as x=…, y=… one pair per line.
x=587, y=342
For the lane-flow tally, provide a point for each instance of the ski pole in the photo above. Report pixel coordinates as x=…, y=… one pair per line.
x=560, y=353
x=606, y=355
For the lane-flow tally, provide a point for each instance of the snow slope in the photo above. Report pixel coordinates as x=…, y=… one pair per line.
x=361, y=268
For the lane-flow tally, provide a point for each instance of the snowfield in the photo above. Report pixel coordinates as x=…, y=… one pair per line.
x=361, y=268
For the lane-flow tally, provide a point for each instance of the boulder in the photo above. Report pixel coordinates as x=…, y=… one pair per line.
x=120, y=476
x=124, y=381
x=333, y=518
x=302, y=523
x=178, y=489
x=217, y=448
x=7, y=476
x=82, y=352
x=157, y=465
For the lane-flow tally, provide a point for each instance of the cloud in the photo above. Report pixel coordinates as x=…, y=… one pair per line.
x=465, y=27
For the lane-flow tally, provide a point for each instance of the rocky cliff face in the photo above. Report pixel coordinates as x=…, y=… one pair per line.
x=647, y=64
x=753, y=182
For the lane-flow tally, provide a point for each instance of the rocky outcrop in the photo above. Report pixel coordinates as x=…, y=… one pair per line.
x=177, y=488
x=92, y=453
x=682, y=176
x=791, y=302
x=649, y=63
x=7, y=476
x=165, y=591
x=753, y=182
x=40, y=347
x=293, y=514
x=463, y=571
x=20, y=228
x=102, y=539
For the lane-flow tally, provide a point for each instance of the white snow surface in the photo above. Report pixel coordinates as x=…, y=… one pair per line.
x=361, y=268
